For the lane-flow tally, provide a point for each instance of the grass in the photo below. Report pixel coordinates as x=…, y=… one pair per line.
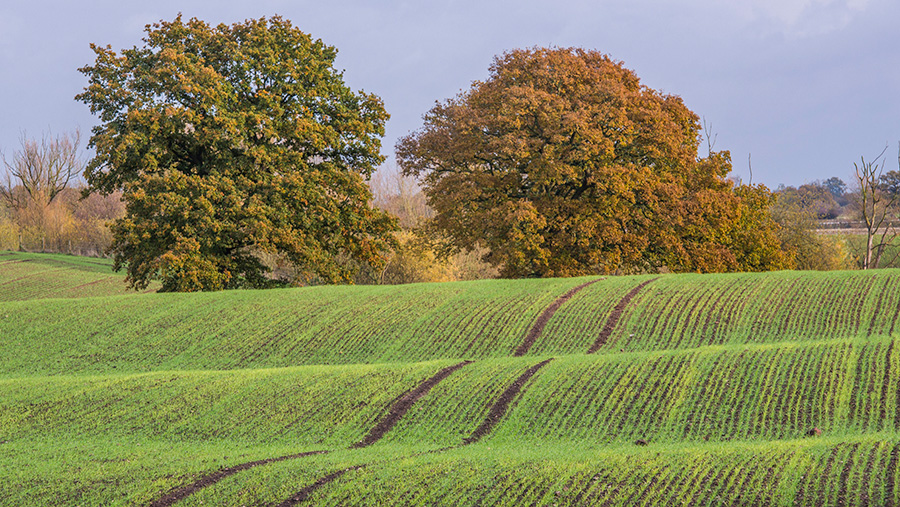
x=119, y=399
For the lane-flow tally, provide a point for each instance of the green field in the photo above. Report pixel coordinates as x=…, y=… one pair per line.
x=701, y=390
x=25, y=276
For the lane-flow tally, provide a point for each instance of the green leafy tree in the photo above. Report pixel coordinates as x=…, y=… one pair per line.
x=231, y=144
x=835, y=186
x=561, y=163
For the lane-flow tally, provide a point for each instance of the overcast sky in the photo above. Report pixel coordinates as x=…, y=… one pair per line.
x=805, y=86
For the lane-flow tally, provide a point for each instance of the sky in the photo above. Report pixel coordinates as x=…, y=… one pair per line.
x=800, y=88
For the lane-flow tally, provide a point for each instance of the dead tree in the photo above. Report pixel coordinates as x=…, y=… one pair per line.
x=876, y=207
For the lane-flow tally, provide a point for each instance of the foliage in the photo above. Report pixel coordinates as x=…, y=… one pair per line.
x=796, y=217
x=412, y=261
x=561, y=163
x=813, y=197
x=417, y=257
x=41, y=209
x=230, y=142
x=39, y=171
x=835, y=186
x=755, y=243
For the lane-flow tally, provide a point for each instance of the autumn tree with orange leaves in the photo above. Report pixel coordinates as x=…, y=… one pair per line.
x=562, y=164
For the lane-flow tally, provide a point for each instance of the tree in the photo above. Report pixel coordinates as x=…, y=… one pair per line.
x=41, y=169
x=233, y=144
x=796, y=211
x=561, y=163
x=36, y=176
x=813, y=197
x=835, y=186
x=415, y=257
x=876, y=205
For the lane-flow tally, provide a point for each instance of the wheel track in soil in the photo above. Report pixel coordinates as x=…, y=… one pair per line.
x=616, y=314
x=498, y=409
x=397, y=410
x=535, y=332
x=401, y=406
x=495, y=414
x=183, y=492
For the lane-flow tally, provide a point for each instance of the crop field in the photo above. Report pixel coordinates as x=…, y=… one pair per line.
x=739, y=389
x=25, y=276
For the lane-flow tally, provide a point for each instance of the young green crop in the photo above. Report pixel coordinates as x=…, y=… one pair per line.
x=119, y=400
x=254, y=329
x=28, y=276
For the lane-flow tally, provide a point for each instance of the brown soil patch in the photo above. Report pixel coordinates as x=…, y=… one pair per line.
x=615, y=316
x=498, y=410
x=208, y=480
x=399, y=409
x=542, y=320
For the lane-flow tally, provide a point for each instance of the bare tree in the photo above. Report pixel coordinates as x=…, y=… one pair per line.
x=401, y=196
x=876, y=207
x=33, y=184
x=40, y=170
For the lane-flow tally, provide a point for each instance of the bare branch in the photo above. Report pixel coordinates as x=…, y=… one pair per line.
x=750, y=167
x=41, y=169
x=710, y=137
x=875, y=206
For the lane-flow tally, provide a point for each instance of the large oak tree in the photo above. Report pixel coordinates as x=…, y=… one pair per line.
x=233, y=144
x=563, y=164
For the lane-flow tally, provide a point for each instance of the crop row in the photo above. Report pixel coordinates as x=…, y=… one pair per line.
x=307, y=405
x=236, y=329
x=477, y=320
x=837, y=473
x=59, y=284
x=690, y=311
x=25, y=276
x=718, y=395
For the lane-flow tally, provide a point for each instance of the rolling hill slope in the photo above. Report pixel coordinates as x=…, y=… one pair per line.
x=26, y=276
x=744, y=389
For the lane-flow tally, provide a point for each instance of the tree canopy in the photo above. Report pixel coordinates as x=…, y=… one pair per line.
x=233, y=144
x=561, y=163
